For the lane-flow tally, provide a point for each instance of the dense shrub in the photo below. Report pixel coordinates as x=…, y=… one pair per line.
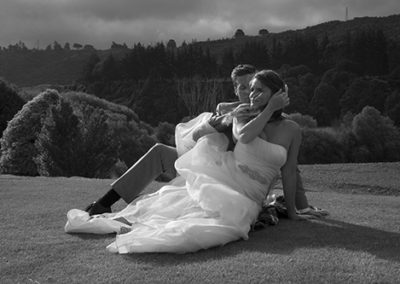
x=296, y=71
x=132, y=135
x=99, y=149
x=378, y=134
x=325, y=104
x=117, y=170
x=361, y=154
x=298, y=100
x=365, y=92
x=392, y=107
x=354, y=151
x=72, y=134
x=340, y=77
x=134, y=142
x=69, y=147
x=320, y=146
x=59, y=143
x=303, y=120
x=165, y=133
x=18, y=141
x=307, y=83
x=79, y=99
x=10, y=104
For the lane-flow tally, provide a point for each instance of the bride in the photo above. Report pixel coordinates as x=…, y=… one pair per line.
x=217, y=194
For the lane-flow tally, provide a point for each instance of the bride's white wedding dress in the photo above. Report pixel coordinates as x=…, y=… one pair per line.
x=214, y=200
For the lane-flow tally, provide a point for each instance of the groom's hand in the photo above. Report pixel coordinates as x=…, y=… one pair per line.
x=244, y=110
x=220, y=122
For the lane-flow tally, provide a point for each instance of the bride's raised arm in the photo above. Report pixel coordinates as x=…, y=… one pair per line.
x=245, y=130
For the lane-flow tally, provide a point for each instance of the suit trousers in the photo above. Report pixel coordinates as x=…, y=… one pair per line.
x=159, y=160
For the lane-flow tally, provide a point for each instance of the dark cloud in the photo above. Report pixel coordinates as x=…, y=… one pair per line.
x=99, y=22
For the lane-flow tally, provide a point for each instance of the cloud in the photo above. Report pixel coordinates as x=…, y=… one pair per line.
x=99, y=22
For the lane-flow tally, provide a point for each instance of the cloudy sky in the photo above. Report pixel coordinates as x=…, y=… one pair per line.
x=99, y=22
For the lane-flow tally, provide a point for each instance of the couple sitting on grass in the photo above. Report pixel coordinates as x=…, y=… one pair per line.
x=221, y=173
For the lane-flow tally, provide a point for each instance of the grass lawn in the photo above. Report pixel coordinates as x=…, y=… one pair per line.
x=359, y=242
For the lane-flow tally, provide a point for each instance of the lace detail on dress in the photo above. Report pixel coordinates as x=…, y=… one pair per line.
x=253, y=174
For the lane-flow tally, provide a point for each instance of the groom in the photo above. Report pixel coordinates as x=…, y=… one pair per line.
x=160, y=159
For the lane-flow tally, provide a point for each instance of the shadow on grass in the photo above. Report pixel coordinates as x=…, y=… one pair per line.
x=84, y=236
x=329, y=233
x=289, y=236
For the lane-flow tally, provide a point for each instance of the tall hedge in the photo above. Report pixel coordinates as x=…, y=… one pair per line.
x=133, y=136
x=99, y=148
x=18, y=141
x=10, y=104
x=59, y=143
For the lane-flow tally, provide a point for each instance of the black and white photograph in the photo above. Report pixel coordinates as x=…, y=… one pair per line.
x=199, y=141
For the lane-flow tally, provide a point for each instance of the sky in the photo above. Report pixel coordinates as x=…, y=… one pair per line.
x=39, y=23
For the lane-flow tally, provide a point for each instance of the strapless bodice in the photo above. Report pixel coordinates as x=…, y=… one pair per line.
x=261, y=155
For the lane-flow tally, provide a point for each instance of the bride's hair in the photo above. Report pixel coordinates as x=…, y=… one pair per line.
x=272, y=80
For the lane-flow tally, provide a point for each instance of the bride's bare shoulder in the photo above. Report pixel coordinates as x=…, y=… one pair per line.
x=290, y=126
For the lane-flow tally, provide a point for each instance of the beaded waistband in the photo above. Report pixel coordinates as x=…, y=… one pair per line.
x=253, y=174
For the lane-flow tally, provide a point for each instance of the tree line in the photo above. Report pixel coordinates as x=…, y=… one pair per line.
x=326, y=79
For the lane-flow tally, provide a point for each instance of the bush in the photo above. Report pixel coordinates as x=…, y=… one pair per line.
x=79, y=99
x=69, y=147
x=117, y=170
x=340, y=77
x=18, y=141
x=354, y=151
x=298, y=100
x=307, y=83
x=65, y=135
x=165, y=133
x=296, y=71
x=392, y=107
x=378, y=134
x=59, y=143
x=130, y=134
x=325, y=104
x=365, y=92
x=99, y=149
x=303, y=120
x=10, y=104
x=134, y=144
x=361, y=154
x=320, y=146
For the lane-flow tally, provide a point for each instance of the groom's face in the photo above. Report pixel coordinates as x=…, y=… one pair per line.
x=242, y=87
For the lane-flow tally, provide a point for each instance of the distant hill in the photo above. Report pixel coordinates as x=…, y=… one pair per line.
x=34, y=67
x=335, y=30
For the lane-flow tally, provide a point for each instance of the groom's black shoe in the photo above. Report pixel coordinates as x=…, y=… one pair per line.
x=96, y=208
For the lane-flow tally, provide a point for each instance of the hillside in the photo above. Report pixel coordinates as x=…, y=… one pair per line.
x=34, y=67
x=37, y=67
x=335, y=30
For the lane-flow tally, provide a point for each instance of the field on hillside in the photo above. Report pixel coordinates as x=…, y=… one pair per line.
x=357, y=243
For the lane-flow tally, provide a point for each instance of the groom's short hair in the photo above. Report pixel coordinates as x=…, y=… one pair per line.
x=241, y=70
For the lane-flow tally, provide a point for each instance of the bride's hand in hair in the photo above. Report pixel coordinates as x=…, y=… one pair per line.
x=278, y=101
